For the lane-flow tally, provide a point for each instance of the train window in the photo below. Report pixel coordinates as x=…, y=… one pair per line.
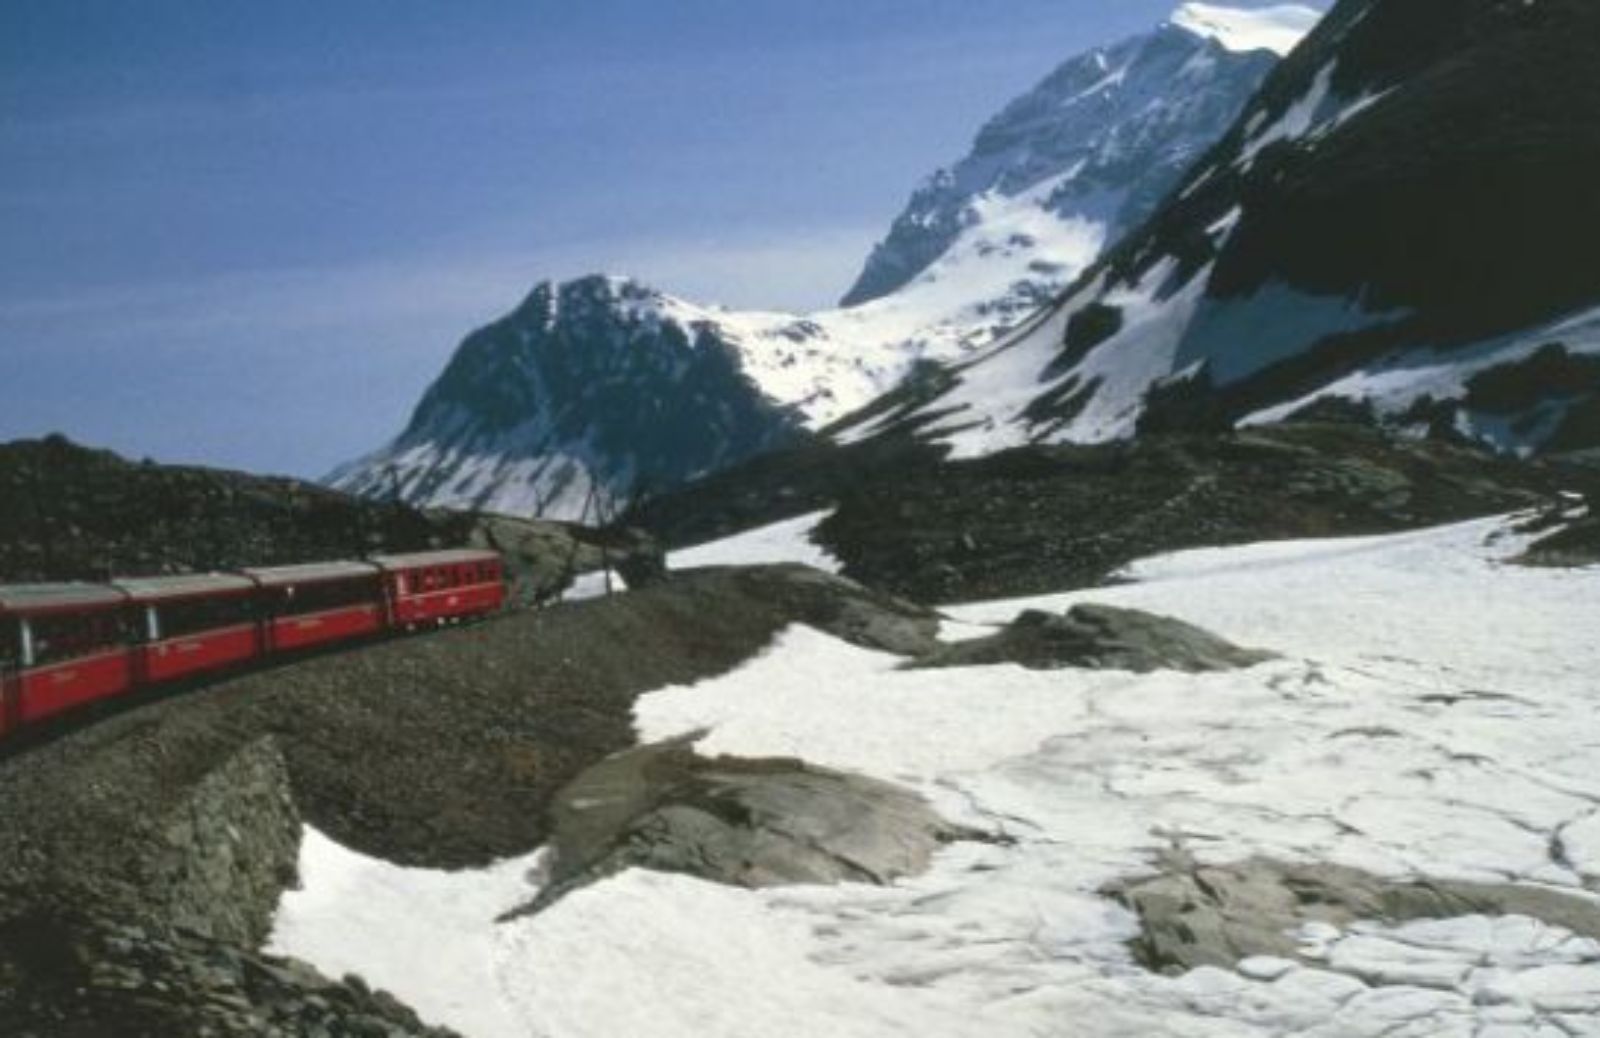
x=321, y=597
x=194, y=615
x=69, y=636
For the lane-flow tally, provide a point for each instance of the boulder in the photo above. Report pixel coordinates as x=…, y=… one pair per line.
x=1193, y=915
x=1099, y=637
x=742, y=822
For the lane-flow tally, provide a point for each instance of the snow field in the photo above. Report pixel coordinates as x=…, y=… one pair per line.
x=1433, y=715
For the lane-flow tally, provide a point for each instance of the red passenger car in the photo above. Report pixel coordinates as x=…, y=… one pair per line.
x=61, y=646
x=66, y=645
x=435, y=586
x=193, y=623
x=322, y=602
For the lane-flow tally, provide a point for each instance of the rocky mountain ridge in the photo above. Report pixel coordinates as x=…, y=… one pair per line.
x=1394, y=230
x=1098, y=144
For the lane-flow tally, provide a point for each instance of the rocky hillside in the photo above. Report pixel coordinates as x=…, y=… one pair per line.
x=1395, y=229
x=1039, y=518
x=72, y=513
x=595, y=391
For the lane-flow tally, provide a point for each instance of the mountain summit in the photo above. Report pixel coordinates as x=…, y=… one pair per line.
x=1094, y=147
x=595, y=389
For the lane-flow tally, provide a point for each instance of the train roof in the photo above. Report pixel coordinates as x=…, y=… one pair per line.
x=419, y=559
x=311, y=573
x=189, y=585
x=49, y=598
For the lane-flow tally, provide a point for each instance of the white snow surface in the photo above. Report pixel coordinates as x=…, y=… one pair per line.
x=1279, y=29
x=786, y=541
x=987, y=410
x=1433, y=715
x=595, y=584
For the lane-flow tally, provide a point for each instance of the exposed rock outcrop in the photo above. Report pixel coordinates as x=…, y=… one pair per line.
x=1099, y=637
x=219, y=859
x=78, y=976
x=748, y=823
x=204, y=844
x=1201, y=915
x=1037, y=520
x=1570, y=534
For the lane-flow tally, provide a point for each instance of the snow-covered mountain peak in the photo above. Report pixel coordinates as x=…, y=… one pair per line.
x=539, y=411
x=1099, y=141
x=1278, y=29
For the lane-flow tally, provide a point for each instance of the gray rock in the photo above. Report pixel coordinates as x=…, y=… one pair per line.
x=1102, y=638
x=226, y=850
x=743, y=822
x=1192, y=915
x=847, y=610
x=64, y=972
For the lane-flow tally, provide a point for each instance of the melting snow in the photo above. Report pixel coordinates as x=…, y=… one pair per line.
x=1433, y=715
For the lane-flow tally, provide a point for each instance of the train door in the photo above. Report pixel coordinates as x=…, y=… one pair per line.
x=10, y=673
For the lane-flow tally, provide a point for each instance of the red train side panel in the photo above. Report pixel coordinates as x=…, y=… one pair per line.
x=193, y=624
x=176, y=658
x=315, y=604
x=47, y=691
x=10, y=671
x=288, y=633
x=10, y=700
x=430, y=587
x=61, y=646
x=432, y=606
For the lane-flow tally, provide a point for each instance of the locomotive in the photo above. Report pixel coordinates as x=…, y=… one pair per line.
x=64, y=646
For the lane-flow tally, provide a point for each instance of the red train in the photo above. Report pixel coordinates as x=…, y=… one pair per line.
x=67, y=645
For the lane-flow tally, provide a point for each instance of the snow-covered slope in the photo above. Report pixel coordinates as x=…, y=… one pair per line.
x=1400, y=227
x=1054, y=178
x=1094, y=147
x=1432, y=718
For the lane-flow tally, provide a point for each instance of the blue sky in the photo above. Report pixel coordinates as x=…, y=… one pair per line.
x=249, y=234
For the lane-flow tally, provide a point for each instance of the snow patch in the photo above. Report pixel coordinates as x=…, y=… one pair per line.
x=1297, y=121
x=788, y=541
